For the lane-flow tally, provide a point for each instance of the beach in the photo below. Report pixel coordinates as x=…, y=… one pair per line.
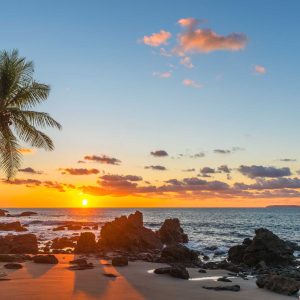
x=133, y=282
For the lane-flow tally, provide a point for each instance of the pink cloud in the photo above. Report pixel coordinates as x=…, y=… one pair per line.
x=260, y=69
x=157, y=39
x=205, y=40
x=187, y=62
x=167, y=74
x=192, y=83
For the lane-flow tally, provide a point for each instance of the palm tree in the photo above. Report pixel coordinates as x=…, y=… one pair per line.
x=19, y=93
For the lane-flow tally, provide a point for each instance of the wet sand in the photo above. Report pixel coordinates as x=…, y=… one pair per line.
x=134, y=282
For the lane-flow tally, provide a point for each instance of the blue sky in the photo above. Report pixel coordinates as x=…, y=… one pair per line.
x=109, y=102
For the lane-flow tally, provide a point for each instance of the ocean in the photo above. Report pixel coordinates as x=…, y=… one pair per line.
x=206, y=227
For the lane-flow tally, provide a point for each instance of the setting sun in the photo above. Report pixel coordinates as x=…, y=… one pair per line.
x=84, y=202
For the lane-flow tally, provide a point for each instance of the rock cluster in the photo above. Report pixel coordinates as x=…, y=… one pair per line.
x=23, y=243
x=265, y=247
x=13, y=226
x=86, y=243
x=45, y=259
x=128, y=233
x=171, y=232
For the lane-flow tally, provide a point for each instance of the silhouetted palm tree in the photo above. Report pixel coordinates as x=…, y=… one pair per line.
x=19, y=93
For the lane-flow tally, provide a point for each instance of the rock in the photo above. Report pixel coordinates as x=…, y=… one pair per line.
x=110, y=275
x=86, y=243
x=224, y=279
x=59, y=228
x=247, y=241
x=205, y=257
x=165, y=270
x=23, y=214
x=266, y=247
x=171, y=232
x=128, y=233
x=73, y=227
x=233, y=288
x=2, y=212
x=81, y=264
x=64, y=242
x=278, y=284
x=119, y=261
x=202, y=271
x=179, y=253
x=13, y=226
x=95, y=227
x=13, y=266
x=211, y=248
x=179, y=272
x=219, y=252
x=293, y=245
x=14, y=244
x=45, y=259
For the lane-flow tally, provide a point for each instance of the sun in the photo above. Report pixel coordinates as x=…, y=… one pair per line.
x=84, y=202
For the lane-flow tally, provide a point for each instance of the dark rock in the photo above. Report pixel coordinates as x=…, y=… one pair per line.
x=86, y=243
x=95, y=227
x=119, y=261
x=278, y=284
x=202, y=271
x=293, y=245
x=171, y=232
x=2, y=212
x=211, y=248
x=128, y=233
x=13, y=266
x=13, y=226
x=165, y=270
x=224, y=279
x=205, y=257
x=179, y=272
x=179, y=253
x=266, y=247
x=73, y=227
x=45, y=259
x=247, y=241
x=110, y=275
x=15, y=244
x=233, y=288
x=23, y=214
x=59, y=228
x=64, y=242
x=81, y=264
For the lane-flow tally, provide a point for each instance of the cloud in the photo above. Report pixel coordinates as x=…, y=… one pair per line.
x=157, y=39
x=261, y=171
x=26, y=151
x=30, y=170
x=158, y=168
x=81, y=162
x=193, y=39
x=121, y=177
x=192, y=83
x=224, y=169
x=263, y=184
x=80, y=171
x=165, y=75
x=222, y=151
x=207, y=171
x=189, y=170
x=260, y=69
x=159, y=153
x=187, y=62
x=26, y=182
x=103, y=159
x=288, y=159
x=164, y=52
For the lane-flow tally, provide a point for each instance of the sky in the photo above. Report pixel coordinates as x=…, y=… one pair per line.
x=162, y=103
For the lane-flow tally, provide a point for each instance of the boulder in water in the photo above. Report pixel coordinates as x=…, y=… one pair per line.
x=13, y=226
x=16, y=244
x=128, y=233
x=171, y=232
x=179, y=254
x=45, y=259
x=119, y=261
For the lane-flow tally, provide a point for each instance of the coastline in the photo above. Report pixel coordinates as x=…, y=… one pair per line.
x=134, y=282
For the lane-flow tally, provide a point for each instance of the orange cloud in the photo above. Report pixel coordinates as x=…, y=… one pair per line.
x=79, y=171
x=103, y=159
x=25, y=151
x=157, y=39
x=192, y=83
x=205, y=40
x=260, y=69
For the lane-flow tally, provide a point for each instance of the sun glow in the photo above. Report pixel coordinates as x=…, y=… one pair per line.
x=84, y=202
